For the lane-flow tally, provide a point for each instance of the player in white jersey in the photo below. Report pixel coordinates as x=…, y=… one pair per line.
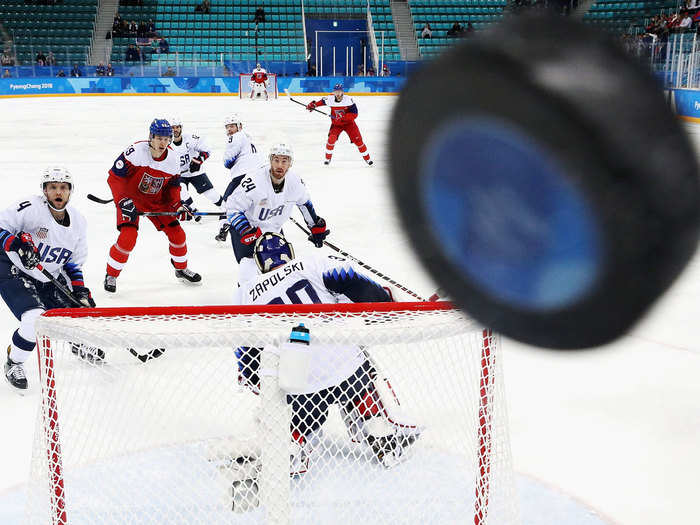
x=344, y=375
x=263, y=201
x=43, y=231
x=193, y=151
x=258, y=83
x=240, y=157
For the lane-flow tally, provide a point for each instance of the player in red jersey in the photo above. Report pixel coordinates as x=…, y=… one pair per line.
x=146, y=178
x=258, y=82
x=343, y=115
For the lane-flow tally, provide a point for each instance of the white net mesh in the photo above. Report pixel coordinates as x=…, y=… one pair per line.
x=244, y=86
x=184, y=421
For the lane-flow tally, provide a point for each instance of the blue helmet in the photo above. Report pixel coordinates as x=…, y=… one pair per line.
x=160, y=128
x=338, y=87
x=272, y=250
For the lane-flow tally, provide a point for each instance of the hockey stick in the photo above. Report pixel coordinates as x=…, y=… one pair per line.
x=157, y=213
x=364, y=265
x=302, y=104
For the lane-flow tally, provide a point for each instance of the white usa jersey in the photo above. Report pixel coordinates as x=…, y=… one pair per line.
x=307, y=280
x=256, y=199
x=190, y=147
x=60, y=247
x=241, y=156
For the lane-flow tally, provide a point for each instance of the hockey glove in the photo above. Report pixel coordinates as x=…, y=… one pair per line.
x=128, y=209
x=195, y=164
x=24, y=246
x=319, y=232
x=311, y=105
x=185, y=212
x=83, y=295
x=250, y=235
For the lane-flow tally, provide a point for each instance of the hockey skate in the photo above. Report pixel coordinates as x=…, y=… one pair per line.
x=223, y=233
x=110, y=283
x=392, y=450
x=88, y=353
x=188, y=276
x=369, y=162
x=14, y=373
x=326, y=162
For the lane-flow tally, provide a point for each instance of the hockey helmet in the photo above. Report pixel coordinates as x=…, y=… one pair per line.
x=282, y=149
x=176, y=121
x=338, y=87
x=272, y=250
x=233, y=118
x=160, y=128
x=57, y=174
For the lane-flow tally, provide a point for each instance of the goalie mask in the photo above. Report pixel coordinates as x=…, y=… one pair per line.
x=57, y=174
x=272, y=250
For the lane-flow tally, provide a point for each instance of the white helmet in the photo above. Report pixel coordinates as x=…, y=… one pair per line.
x=233, y=119
x=175, y=121
x=57, y=174
x=282, y=149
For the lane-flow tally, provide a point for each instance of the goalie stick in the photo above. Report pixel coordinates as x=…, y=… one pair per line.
x=301, y=104
x=94, y=198
x=363, y=264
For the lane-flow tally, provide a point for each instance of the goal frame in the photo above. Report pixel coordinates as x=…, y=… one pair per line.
x=244, y=85
x=51, y=414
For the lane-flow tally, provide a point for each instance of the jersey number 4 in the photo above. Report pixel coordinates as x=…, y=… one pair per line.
x=303, y=285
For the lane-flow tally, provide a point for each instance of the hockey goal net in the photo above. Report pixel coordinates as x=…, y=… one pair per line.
x=244, y=86
x=177, y=426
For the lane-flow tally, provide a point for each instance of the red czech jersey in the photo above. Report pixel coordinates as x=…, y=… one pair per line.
x=259, y=76
x=342, y=112
x=153, y=184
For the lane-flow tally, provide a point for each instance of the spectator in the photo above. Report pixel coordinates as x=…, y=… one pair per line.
x=100, y=70
x=133, y=28
x=61, y=73
x=470, y=29
x=141, y=29
x=170, y=72
x=204, y=7
x=163, y=46
x=6, y=74
x=75, y=72
x=7, y=59
x=50, y=59
x=117, y=25
x=360, y=70
x=427, y=31
x=370, y=71
x=132, y=54
x=151, y=28
x=386, y=72
x=455, y=30
x=109, y=72
x=40, y=59
x=686, y=21
x=311, y=72
x=259, y=15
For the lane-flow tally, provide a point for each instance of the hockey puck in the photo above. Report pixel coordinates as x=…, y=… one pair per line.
x=544, y=182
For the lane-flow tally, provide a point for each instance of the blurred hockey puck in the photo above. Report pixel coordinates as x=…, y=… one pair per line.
x=544, y=183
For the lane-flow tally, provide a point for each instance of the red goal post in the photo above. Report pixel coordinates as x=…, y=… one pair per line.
x=244, y=88
x=156, y=433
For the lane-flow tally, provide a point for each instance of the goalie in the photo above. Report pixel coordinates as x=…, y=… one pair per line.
x=343, y=375
x=259, y=83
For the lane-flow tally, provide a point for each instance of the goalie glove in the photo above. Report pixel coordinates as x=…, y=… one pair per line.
x=24, y=246
x=319, y=232
x=82, y=294
x=311, y=105
x=250, y=235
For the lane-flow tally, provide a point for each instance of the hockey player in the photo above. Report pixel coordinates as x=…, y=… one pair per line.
x=41, y=230
x=258, y=83
x=240, y=157
x=146, y=178
x=367, y=403
x=263, y=201
x=193, y=151
x=343, y=115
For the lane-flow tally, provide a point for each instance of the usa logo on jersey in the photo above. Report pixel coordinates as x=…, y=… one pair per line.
x=150, y=184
